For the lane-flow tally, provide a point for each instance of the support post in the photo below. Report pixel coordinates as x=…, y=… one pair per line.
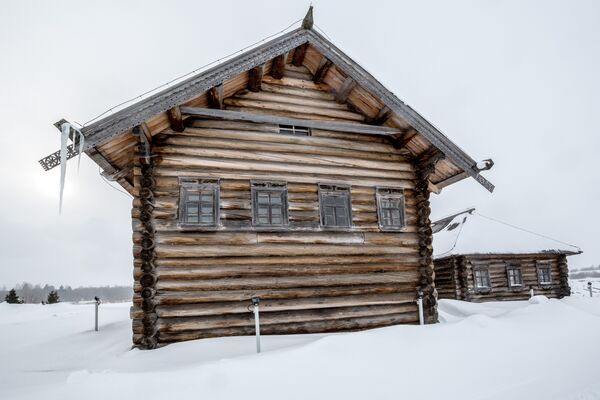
x=96, y=304
x=531, y=292
x=420, y=305
x=255, y=303
x=590, y=289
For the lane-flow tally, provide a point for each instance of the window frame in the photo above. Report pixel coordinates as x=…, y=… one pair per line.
x=543, y=265
x=479, y=268
x=294, y=130
x=329, y=188
x=187, y=185
x=382, y=193
x=517, y=267
x=269, y=186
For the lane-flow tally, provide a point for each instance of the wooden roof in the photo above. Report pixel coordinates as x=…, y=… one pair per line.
x=309, y=61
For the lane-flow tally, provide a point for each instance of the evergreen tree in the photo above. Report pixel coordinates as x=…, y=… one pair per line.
x=53, y=297
x=12, y=298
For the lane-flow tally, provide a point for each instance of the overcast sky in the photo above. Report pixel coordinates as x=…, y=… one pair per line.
x=517, y=81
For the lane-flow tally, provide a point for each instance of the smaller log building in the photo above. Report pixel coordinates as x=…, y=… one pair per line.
x=477, y=259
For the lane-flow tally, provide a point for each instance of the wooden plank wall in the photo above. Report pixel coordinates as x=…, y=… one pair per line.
x=449, y=285
x=309, y=279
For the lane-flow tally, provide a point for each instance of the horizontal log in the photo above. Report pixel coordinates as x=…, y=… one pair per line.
x=351, y=324
x=184, y=162
x=295, y=108
x=288, y=282
x=299, y=92
x=178, y=146
x=210, y=296
x=273, y=249
x=267, y=306
x=272, y=119
x=237, y=271
x=227, y=321
x=285, y=98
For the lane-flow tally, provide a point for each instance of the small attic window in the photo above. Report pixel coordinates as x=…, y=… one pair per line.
x=294, y=130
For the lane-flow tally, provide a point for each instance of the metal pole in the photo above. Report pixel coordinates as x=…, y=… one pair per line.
x=96, y=315
x=590, y=288
x=255, y=302
x=420, y=304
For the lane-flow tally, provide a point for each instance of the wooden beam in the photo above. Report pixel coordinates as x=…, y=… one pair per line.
x=299, y=53
x=275, y=119
x=255, y=78
x=381, y=117
x=406, y=137
x=117, y=175
x=278, y=65
x=344, y=91
x=215, y=97
x=175, y=119
x=322, y=69
x=144, y=148
x=429, y=154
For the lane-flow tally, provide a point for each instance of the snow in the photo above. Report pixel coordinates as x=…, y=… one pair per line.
x=537, y=349
x=476, y=234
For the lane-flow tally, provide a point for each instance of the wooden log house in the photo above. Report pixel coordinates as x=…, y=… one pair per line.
x=478, y=259
x=288, y=173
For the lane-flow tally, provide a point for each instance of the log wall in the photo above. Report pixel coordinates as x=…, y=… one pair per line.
x=309, y=279
x=454, y=277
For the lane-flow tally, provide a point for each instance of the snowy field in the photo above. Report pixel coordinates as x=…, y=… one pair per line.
x=541, y=349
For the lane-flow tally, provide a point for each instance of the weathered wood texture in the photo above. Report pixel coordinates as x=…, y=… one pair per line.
x=454, y=277
x=309, y=279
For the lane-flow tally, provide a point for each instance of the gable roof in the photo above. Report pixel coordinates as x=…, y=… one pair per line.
x=105, y=129
x=470, y=233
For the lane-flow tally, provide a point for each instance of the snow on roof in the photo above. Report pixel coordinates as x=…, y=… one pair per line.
x=472, y=233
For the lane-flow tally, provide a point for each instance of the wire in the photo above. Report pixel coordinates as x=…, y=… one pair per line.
x=526, y=230
x=190, y=73
x=456, y=239
x=323, y=32
x=109, y=184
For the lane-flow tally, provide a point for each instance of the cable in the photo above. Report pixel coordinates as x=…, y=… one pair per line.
x=526, y=230
x=456, y=239
x=109, y=184
x=323, y=32
x=190, y=73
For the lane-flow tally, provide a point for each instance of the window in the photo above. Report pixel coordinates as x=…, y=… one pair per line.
x=334, y=201
x=515, y=279
x=481, y=277
x=294, y=130
x=543, y=272
x=390, y=208
x=269, y=204
x=199, y=202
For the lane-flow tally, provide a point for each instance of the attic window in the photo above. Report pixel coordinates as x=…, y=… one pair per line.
x=294, y=130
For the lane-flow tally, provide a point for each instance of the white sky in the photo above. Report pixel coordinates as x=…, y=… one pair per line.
x=516, y=81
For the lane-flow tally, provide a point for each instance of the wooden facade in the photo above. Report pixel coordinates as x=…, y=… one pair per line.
x=499, y=277
x=299, y=119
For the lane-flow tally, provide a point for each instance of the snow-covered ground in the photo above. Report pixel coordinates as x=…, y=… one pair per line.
x=541, y=349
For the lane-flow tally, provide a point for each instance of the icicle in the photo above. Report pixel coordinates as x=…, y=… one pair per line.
x=64, y=137
x=81, y=141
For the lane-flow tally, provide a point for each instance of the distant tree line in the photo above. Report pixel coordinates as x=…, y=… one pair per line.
x=584, y=273
x=36, y=294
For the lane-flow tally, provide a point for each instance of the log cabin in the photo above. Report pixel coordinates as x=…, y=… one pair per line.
x=478, y=259
x=287, y=173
